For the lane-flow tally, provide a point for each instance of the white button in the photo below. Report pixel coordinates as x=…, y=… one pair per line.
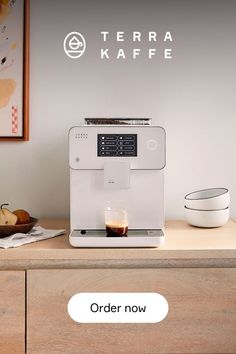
x=118, y=307
x=152, y=144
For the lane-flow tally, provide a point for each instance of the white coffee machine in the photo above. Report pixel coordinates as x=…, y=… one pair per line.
x=121, y=165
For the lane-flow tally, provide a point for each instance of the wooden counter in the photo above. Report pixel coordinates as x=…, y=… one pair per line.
x=194, y=270
x=185, y=246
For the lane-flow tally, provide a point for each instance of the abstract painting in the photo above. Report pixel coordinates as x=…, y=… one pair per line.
x=14, y=70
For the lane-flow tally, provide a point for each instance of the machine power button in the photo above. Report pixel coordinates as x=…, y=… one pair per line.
x=152, y=144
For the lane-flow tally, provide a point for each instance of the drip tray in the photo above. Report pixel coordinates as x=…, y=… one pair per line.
x=99, y=238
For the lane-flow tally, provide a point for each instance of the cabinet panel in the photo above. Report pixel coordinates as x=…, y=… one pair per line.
x=201, y=318
x=12, y=312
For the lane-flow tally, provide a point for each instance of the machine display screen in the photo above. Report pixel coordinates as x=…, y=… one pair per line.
x=117, y=145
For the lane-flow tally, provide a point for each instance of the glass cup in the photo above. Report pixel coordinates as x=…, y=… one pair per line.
x=116, y=221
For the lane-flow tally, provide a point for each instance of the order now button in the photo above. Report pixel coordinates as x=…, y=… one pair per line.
x=118, y=307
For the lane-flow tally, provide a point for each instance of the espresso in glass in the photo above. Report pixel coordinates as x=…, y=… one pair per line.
x=114, y=230
x=116, y=221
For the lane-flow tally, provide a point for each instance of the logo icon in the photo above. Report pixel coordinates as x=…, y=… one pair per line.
x=74, y=45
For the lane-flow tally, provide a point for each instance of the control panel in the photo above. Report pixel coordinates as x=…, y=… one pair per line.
x=117, y=145
x=143, y=147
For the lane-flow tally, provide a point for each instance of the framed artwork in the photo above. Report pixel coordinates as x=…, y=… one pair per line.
x=14, y=70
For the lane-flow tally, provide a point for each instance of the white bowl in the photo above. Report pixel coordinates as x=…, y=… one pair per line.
x=206, y=218
x=208, y=199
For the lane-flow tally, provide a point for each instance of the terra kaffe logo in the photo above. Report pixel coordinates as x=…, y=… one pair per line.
x=74, y=45
x=149, y=44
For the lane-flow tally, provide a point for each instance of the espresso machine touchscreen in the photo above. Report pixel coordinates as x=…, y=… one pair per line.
x=117, y=145
x=116, y=185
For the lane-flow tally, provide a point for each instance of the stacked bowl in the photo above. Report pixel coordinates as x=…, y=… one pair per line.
x=207, y=207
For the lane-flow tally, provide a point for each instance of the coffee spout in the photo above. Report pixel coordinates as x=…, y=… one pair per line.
x=116, y=175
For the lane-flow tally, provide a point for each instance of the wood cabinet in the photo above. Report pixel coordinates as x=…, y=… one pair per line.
x=12, y=312
x=201, y=319
x=195, y=270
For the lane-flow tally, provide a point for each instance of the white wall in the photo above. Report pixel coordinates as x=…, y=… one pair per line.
x=192, y=96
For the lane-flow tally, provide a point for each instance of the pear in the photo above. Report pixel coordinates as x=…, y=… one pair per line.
x=23, y=217
x=7, y=217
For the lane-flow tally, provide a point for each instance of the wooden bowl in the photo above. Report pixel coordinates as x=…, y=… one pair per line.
x=8, y=230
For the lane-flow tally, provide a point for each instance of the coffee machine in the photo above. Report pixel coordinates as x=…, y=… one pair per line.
x=121, y=165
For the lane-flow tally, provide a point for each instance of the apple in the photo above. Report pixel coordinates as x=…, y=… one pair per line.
x=23, y=217
x=6, y=216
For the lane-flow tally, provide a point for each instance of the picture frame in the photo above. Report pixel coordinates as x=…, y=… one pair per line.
x=14, y=70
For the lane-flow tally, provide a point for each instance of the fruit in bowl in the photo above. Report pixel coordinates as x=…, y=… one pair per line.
x=13, y=222
x=23, y=217
x=6, y=216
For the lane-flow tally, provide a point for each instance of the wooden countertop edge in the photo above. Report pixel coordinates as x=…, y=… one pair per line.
x=18, y=264
x=124, y=254
x=185, y=247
